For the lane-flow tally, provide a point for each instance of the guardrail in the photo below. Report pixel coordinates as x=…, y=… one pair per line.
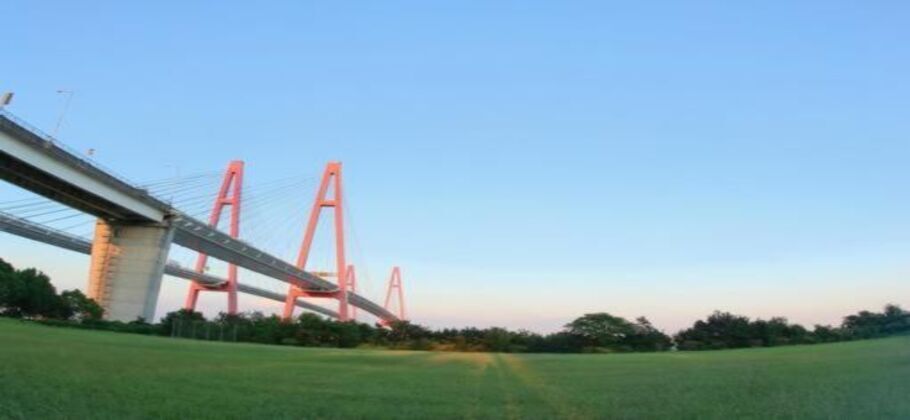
x=72, y=152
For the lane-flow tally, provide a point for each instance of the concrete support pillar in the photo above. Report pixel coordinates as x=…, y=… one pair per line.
x=127, y=265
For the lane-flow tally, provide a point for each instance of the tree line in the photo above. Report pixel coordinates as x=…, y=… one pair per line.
x=29, y=294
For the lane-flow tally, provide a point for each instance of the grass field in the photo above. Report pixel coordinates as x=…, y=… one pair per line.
x=54, y=372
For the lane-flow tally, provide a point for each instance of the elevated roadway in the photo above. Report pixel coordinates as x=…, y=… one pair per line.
x=30, y=230
x=136, y=221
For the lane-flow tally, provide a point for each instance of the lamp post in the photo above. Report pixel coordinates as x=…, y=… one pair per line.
x=6, y=99
x=66, y=106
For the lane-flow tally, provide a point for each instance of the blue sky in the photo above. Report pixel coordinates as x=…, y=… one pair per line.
x=662, y=159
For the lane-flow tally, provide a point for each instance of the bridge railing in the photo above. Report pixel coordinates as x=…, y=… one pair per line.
x=27, y=229
x=86, y=160
x=34, y=137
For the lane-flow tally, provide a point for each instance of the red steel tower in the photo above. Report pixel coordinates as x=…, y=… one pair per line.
x=331, y=177
x=228, y=195
x=352, y=287
x=395, y=283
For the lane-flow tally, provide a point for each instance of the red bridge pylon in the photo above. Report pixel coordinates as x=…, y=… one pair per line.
x=352, y=287
x=395, y=283
x=323, y=199
x=228, y=195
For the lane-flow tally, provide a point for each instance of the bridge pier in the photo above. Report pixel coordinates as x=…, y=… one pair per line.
x=127, y=266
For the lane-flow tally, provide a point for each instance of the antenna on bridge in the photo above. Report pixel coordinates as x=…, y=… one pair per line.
x=228, y=195
x=395, y=283
x=323, y=199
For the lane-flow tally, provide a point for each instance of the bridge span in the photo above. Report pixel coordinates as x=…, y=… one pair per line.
x=30, y=230
x=134, y=231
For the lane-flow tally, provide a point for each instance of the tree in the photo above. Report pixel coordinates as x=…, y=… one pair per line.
x=524, y=340
x=600, y=330
x=81, y=306
x=29, y=293
x=561, y=342
x=895, y=320
x=827, y=334
x=9, y=283
x=179, y=322
x=497, y=339
x=312, y=330
x=404, y=332
x=347, y=333
x=865, y=324
x=272, y=329
x=647, y=338
x=720, y=331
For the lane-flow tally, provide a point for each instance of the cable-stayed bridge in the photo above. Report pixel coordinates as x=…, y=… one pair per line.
x=27, y=229
x=134, y=230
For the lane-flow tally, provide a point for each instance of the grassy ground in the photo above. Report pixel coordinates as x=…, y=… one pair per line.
x=64, y=373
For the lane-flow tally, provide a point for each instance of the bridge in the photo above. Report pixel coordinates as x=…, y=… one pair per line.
x=134, y=232
x=30, y=230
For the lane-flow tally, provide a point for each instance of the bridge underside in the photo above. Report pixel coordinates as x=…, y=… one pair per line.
x=28, y=177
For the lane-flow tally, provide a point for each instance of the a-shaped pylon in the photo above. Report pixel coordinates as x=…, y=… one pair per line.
x=229, y=194
x=395, y=284
x=331, y=177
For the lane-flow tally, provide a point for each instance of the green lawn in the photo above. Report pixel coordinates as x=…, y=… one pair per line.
x=48, y=372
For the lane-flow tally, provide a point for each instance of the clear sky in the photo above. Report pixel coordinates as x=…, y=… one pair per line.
x=524, y=162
